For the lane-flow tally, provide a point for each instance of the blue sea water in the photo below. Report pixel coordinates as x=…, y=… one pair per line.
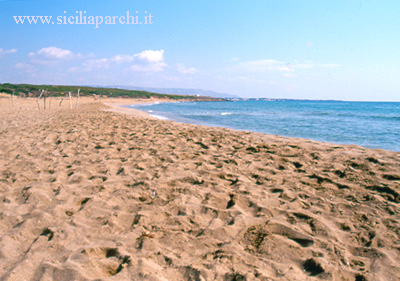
x=369, y=124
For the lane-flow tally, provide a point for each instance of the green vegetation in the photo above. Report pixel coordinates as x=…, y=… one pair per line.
x=28, y=90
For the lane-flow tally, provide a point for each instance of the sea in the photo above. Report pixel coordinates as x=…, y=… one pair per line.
x=368, y=124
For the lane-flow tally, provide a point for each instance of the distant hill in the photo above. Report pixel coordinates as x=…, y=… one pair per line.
x=177, y=91
x=30, y=90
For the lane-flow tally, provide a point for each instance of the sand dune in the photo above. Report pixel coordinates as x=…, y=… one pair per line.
x=89, y=194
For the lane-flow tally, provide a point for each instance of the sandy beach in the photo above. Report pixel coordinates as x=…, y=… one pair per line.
x=103, y=193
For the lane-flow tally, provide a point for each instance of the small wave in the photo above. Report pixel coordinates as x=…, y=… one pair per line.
x=226, y=113
x=317, y=113
x=159, y=117
x=385, y=117
x=150, y=111
x=144, y=104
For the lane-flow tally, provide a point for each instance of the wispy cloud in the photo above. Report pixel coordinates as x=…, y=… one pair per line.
x=96, y=64
x=149, y=61
x=330, y=65
x=259, y=65
x=51, y=55
x=123, y=58
x=288, y=75
x=21, y=65
x=55, y=53
x=185, y=70
x=6, y=52
x=153, y=67
x=277, y=66
x=25, y=67
x=146, y=61
x=151, y=56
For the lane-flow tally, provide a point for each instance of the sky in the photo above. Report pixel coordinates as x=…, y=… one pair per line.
x=344, y=50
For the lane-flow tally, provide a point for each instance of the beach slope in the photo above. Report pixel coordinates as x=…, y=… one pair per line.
x=90, y=194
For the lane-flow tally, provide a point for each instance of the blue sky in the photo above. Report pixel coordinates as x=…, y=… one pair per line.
x=347, y=50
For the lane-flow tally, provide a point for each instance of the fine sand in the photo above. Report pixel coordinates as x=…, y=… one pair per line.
x=93, y=194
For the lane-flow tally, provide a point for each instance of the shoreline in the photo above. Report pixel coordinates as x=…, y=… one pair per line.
x=93, y=194
x=120, y=107
x=117, y=106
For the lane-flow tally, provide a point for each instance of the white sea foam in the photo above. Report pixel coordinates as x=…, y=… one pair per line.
x=226, y=113
x=159, y=117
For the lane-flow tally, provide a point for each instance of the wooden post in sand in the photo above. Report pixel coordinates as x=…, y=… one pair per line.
x=39, y=99
x=44, y=100
x=77, y=100
x=12, y=98
x=70, y=102
x=62, y=98
x=50, y=102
